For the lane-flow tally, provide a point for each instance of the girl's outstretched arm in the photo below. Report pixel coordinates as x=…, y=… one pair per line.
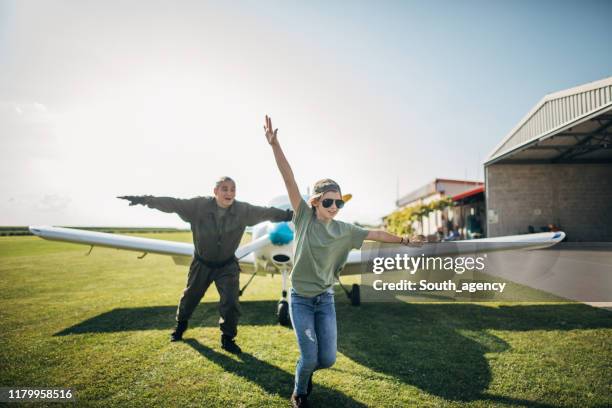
x=384, y=236
x=283, y=165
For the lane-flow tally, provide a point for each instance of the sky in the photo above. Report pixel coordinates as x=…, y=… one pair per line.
x=106, y=98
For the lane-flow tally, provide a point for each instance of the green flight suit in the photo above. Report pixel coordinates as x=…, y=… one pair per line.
x=216, y=236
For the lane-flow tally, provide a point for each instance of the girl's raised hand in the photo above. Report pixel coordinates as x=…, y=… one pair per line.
x=271, y=135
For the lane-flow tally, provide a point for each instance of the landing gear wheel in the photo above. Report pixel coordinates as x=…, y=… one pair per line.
x=355, y=295
x=282, y=312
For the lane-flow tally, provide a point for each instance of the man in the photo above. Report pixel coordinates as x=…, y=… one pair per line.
x=217, y=225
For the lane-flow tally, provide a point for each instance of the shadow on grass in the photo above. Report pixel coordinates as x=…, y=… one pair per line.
x=439, y=348
x=163, y=317
x=269, y=377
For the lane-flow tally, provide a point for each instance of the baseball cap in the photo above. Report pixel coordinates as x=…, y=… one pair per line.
x=323, y=186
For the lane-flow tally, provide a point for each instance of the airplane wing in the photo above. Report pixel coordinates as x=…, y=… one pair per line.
x=355, y=263
x=181, y=252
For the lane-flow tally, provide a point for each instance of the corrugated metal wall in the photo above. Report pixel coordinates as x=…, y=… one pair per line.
x=556, y=113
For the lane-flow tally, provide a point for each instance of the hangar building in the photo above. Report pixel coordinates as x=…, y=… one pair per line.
x=555, y=167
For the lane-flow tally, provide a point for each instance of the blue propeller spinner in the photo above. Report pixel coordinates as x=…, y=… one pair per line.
x=281, y=233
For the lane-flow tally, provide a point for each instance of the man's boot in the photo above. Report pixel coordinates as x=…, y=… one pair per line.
x=228, y=344
x=177, y=334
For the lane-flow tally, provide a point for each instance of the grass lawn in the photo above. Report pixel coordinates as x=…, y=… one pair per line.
x=100, y=324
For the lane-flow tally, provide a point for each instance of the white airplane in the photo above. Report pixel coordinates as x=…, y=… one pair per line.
x=271, y=250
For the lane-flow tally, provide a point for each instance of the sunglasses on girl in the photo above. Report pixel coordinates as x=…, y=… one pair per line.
x=326, y=203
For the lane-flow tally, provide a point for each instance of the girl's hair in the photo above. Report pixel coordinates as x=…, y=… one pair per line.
x=223, y=180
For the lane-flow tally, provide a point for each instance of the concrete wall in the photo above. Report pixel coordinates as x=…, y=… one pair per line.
x=577, y=197
x=454, y=188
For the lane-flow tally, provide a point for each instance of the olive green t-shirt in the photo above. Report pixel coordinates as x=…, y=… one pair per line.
x=321, y=250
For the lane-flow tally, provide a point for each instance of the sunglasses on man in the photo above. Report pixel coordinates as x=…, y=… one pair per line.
x=327, y=202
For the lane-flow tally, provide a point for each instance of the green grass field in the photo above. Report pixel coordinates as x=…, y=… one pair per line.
x=100, y=323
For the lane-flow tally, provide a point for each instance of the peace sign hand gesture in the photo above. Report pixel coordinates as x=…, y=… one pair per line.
x=271, y=135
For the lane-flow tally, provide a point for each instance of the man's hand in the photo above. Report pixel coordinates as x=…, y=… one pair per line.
x=134, y=200
x=271, y=135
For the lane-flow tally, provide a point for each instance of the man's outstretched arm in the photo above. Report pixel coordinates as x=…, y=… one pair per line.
x=185, y=208
x=257, y=214
x=135, y=200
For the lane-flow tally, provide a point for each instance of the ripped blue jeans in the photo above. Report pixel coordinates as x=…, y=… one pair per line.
x=314, y=324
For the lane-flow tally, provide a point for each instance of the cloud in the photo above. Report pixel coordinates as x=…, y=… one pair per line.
x=53, y=203
x=33, y=112
x=28, y=130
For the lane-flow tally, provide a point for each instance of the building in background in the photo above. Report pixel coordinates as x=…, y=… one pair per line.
x=469, y=213
x=470, y=201
x=554, y=169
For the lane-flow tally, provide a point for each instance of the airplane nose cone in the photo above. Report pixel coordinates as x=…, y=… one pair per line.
x=281, y=233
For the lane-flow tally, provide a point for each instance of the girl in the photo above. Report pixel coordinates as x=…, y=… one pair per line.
x=322, y=247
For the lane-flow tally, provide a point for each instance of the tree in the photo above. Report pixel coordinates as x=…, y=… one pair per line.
x=400, y=221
